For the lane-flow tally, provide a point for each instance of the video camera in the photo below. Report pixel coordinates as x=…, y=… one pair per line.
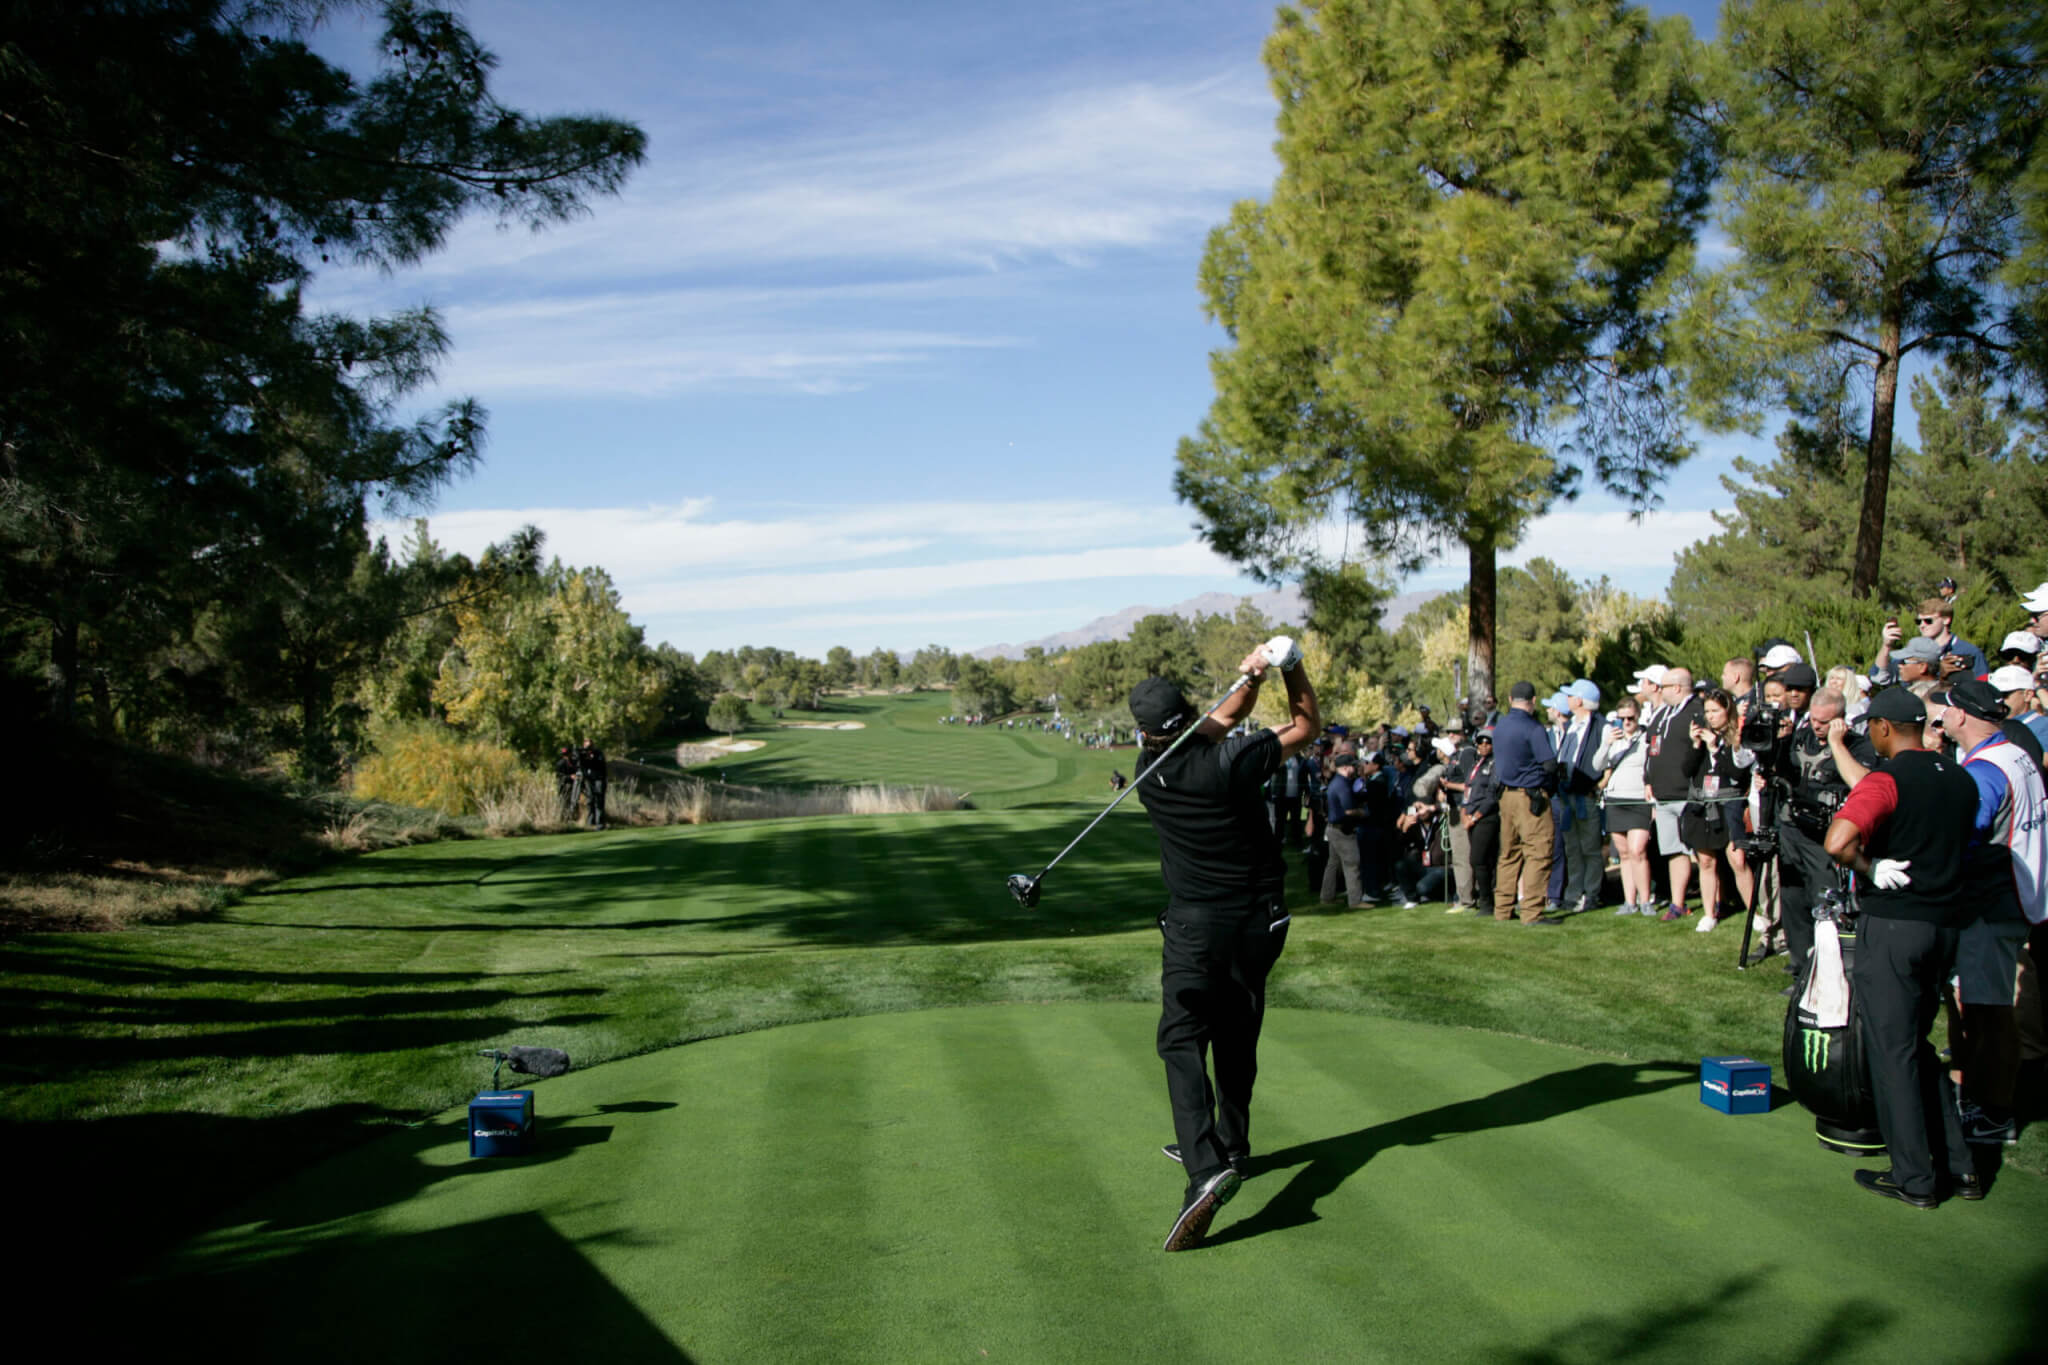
x=1760, y=727
x=1811, y=808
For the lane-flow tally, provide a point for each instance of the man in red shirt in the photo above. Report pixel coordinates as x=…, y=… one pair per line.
x=1906, y=832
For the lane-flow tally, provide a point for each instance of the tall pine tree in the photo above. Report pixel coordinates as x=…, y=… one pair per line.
x=1446, y=316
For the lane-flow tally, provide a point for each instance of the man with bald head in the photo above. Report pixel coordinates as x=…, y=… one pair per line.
x=1818, y=784
x=1668, y=774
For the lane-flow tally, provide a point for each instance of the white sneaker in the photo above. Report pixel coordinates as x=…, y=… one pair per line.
x=1706, y=925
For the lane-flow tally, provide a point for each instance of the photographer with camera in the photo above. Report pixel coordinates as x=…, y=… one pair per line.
x=1712, y=821
x=1811, y=788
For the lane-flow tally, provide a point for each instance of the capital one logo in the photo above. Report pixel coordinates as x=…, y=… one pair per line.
x=1818, y=1042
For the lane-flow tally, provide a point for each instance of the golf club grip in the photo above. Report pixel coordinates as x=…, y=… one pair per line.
x=1235, y=688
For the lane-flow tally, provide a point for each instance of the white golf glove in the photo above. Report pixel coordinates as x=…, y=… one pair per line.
x=1889, y=874
x=1281, y=652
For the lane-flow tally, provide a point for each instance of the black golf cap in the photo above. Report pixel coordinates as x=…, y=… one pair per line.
x=1898, y=706
x=1158, y=707
x=1975, y=697
x=1799, y=678
x=1522, y=691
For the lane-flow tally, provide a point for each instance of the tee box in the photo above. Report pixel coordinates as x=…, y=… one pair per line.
x=501, y=1123
x=1735, y=1085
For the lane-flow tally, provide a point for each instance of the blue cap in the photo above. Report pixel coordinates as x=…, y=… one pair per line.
x=1586, y=691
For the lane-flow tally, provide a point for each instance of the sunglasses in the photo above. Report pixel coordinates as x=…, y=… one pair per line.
x=1927, y=620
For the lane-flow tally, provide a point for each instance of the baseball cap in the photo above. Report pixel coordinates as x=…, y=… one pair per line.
x=1772, y=643
x=1920, y=648
x=2022, y=640
x=1586, y=690
x=1799, y=677
x=1485, y=733
x=1159, y=708
x=2011, y=678
x=1975, y=697
x=1779, y=656
x=1899, y=706
x=2037, y=600
x=1558, y=701
x=1522, y=691
x=1447, y=747
x=1654, y=674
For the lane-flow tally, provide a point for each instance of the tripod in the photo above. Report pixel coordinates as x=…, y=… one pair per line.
x=1761, y=848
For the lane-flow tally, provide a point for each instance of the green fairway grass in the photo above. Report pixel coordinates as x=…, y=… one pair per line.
x=902, y=743
x=155, y=1079
x=986, y=1183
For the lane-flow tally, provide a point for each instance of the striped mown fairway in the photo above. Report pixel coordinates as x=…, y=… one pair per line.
x=902, y=743
x=985, y=1183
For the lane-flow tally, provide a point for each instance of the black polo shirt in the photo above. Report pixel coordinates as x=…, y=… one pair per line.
x=1217, y=848
x=1921, y=809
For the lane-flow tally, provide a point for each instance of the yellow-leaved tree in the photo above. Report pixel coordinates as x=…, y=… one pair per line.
x=552, y=666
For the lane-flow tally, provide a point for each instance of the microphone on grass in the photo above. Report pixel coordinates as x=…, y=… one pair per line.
x=527, y=1061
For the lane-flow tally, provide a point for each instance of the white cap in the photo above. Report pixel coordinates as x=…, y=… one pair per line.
x=1780, y=656
x=2037, y=600
x=2022, y=639
x=2011, y=678
x=1444, y=746
x=1654, y=674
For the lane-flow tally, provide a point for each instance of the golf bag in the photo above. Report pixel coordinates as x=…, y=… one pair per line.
x=1824, y=1064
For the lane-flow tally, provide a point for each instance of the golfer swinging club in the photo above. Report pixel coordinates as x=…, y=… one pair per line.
x=1226, y=916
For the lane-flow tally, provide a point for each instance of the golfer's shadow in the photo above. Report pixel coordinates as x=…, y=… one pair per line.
x=1328, y=1162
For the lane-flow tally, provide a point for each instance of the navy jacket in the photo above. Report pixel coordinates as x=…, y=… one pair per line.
x=1522, y=756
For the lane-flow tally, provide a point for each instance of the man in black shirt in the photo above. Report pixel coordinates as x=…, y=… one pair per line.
x=590, y=768
x=1226, y=918
x=1906, y=831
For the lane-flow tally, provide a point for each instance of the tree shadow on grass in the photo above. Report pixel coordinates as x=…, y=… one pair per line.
x=509, y=1287
x=1718, y=1315
x=111, y=1195
x=1328, y=1162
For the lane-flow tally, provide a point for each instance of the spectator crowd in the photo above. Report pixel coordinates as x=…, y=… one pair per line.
x=1909, y=789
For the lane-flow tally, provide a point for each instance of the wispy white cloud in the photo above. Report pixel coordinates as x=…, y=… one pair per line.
x=629, y=299
x=1069, y=173
x=654, y=343
x=754, y=592
x=642, y=545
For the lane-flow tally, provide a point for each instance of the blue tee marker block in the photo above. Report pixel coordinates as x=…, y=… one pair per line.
x=1735, y=1085
x=501, y=1123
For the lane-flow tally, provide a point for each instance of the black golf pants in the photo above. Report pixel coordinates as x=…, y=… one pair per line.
x=1900, y=969
x=1212, y=980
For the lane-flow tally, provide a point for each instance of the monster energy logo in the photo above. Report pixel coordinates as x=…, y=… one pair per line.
x=1818, y=1042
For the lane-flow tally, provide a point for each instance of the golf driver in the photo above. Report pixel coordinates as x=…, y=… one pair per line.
x=1280, y=652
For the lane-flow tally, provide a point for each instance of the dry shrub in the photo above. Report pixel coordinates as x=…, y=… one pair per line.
x=693, y=801
x=527, y=803
x=69, y=902
x=430, y=766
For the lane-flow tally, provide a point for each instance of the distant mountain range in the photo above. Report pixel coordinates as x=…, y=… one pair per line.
x=1284, y=605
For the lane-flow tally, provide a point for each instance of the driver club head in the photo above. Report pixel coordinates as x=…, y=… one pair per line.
x=1025, y=889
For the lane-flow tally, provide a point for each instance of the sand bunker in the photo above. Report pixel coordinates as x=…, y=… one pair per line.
x=822, y=725
x=736, y=746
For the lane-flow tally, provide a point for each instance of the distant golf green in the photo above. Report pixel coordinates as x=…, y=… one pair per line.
x=938, y=1132
x=903, y=742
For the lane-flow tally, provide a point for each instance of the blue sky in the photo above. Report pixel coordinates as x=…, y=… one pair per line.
x=890, y=340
